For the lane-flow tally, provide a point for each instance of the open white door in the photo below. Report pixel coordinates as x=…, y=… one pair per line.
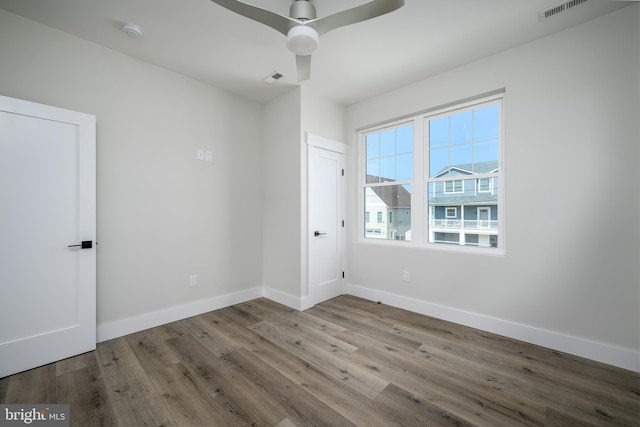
x=47, y=204
x=326, y=229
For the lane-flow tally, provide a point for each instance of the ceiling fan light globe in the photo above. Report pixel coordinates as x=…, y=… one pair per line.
x=302, y=40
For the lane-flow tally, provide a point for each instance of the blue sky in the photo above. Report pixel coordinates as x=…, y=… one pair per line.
x=467, y=137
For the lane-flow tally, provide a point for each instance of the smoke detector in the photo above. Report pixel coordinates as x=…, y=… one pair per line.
x=132, y=30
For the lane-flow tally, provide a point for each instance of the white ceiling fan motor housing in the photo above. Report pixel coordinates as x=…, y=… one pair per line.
x=302, y=40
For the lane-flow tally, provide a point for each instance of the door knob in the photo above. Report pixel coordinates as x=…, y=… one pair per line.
x=317, y=233
x=86, y=244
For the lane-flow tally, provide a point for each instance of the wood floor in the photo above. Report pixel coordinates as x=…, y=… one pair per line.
x=344, y=362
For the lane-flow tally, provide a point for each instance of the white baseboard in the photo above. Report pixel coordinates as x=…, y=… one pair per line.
x=289, y=300
x=107, y=331
x=615, y=356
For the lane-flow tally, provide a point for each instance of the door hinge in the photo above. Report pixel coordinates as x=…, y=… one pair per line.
x=342, y=172
x=343, y=274
x=343, y=222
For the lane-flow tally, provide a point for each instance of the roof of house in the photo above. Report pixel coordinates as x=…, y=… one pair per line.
x=391, y=195
x=469, y=168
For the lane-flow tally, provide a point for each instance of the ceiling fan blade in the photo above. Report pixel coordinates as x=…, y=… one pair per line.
x=279, y=23
x=357, y=14
x=303, y=64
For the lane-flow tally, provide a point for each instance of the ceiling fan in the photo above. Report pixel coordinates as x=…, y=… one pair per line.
x=303, y=29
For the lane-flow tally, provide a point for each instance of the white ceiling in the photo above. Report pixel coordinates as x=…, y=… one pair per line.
x=200, y=39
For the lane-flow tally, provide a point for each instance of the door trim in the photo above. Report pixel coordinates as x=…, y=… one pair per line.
x=319, y=142
x=326, y=143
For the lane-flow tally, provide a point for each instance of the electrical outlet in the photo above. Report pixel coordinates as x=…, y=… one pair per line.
x=405, y=276
x=208, y=156
x=193, y=280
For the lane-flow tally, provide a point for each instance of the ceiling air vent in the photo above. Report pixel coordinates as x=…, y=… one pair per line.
x=273, y=77
x=559, y=8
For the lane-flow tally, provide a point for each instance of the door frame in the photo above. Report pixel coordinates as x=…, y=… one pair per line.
x=318, y=142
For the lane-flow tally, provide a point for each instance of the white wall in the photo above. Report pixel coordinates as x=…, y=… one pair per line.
x=162, y=215
x=570, y=277
x=321, y=116
x=326, y=118
x=282, y=198
x=287, y=121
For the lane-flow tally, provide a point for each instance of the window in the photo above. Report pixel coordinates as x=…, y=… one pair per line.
x=464, y=142
x=388, y=174
x=446, y=178
x=366, y=217
x=454, y=186
x=485, y=185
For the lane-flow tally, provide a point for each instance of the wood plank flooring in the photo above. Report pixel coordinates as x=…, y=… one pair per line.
x=344, y=362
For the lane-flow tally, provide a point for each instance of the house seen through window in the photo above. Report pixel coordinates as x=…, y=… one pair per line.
x=457, y=177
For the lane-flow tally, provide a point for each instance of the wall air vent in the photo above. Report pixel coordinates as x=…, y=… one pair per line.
x=559, y=8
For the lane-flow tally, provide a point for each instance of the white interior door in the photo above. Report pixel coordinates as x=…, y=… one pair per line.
x=326, y=230
x=47, y=203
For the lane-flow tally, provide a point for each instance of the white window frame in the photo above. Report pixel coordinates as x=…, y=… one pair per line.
x=455, y=212
x=367, y=236
x=479, y=185
x=421, y=182
x=453, y=186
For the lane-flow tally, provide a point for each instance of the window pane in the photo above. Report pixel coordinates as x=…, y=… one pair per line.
x=389, y=202
x=388, y=169
x=486, y=122
x=461, y=127
x=476, y=214
x=486, y=151
x=404, y=137
x=373, y=170
x=373, y=145
x=405, y=167
x=438, y=161
x=389, y=155
x=439, y=132
x=463, y=140
x=388, y=143
x=462, y=155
